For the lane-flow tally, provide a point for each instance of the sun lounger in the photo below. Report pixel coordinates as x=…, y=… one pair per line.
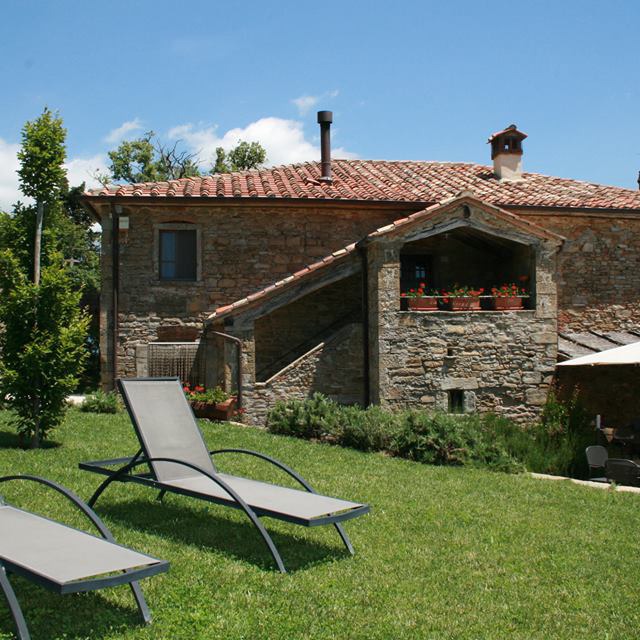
x=64, y=559
x=173, y=448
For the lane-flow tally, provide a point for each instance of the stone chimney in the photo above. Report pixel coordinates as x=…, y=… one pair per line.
x=506, y=153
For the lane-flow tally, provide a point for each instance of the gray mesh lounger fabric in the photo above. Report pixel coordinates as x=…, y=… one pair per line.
x=268, y=497
x=64, y=559
x=59, y=553
x=173, y=447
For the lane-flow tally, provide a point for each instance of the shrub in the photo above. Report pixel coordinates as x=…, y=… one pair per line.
x=42, y=345
x=316, y=417
x=101, y=402
x=371, y=429
x=555, y=444
x=561, y=436
x=440, y=438
x=416, y=435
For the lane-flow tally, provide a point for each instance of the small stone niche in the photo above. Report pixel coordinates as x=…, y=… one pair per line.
x=455, y=401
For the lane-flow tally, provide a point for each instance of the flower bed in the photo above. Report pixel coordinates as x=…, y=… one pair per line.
x=211, y=404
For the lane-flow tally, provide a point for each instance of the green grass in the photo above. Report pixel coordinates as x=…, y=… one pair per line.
x=445, y=553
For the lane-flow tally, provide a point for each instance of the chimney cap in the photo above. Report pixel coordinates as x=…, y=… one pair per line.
x=325, y=116
x=511, y=129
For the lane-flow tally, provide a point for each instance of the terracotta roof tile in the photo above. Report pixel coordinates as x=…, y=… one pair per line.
x=381, y=180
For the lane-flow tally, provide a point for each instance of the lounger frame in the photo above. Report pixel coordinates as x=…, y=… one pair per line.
x=129, y=576
x=125, y=473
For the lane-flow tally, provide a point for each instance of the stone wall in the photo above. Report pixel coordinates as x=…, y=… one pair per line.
x=502, y=362
x=598, y=270
x=333, y=367
x=497, y=361
x=243, y=248
x=285, y=334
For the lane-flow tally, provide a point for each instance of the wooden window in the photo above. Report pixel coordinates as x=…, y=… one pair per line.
x=178, y=254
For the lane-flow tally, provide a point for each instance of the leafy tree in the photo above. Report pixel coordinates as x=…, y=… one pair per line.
x=43, y=341
x=148, y=160
x=42, y=155
x=246, y=155
x=42, y=344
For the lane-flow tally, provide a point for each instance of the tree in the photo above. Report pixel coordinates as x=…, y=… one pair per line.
x=41, y=173
x=42, y=344
x=148, y=160
x=43, y=341
x=246, y=155
x=42, y=155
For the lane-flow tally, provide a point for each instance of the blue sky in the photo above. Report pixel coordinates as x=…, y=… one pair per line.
x=405, y=80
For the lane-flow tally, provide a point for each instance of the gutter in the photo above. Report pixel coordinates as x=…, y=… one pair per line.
x=238, y=344
x=416, y=205
x=115, y=286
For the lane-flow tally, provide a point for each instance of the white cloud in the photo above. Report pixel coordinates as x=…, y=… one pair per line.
x=305, y=103
x=284, y=141
x=120, y=133
x=81, y=170
x=9, y=190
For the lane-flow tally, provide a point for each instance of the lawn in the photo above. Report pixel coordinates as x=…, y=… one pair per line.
x=445, y=553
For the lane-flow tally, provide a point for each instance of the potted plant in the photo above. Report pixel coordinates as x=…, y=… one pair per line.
x=421, y=300
x=462, y=298
x=213, y=404
x=508, y=297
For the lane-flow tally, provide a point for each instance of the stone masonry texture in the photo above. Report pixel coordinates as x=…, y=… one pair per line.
x=591, y=282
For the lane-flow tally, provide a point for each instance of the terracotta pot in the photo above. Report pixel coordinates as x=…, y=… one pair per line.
x=463, y=303
x=423, y=303
x=215, y=411
x=506, y=304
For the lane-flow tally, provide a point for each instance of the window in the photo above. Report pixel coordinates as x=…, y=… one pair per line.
x=456, y=401
x=414, y=270
x=178, y=254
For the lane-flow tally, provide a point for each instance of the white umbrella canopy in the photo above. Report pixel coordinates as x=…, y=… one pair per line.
x=627, y=354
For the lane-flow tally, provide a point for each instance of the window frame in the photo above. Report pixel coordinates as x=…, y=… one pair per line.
x=176, y=226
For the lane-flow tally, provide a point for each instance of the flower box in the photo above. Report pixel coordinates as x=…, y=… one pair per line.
x=423, y=303
x=462, y=303
x=507, y=303
x=214, y=410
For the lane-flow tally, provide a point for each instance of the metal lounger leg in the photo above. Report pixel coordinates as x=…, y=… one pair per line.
x=243, y=505
x=345, y=538
x=14, y=606
x=296, y=476
x=141, y=602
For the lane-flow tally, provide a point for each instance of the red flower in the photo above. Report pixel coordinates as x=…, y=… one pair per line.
x=422, y=285
x=199, y=389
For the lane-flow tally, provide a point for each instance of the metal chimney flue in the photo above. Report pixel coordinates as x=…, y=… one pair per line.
x=325, y=118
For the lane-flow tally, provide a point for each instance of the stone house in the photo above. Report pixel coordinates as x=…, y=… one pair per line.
x=285, y=281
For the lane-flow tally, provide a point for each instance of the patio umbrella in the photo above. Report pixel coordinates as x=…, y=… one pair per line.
x=627, y=354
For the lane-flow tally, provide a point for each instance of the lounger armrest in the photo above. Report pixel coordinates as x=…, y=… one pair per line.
x=72, y=497
x=288, y=470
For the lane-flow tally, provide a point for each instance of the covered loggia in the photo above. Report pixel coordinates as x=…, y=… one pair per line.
x=468, y=257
